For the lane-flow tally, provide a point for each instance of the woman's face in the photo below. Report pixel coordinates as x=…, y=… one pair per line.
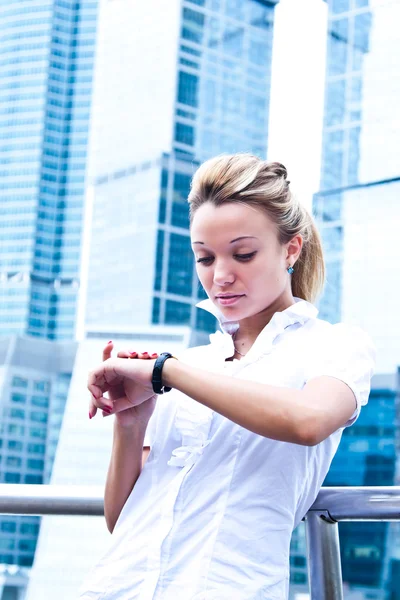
x=240, y=262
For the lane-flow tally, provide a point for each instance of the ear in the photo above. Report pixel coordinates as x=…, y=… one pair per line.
x=293, y=249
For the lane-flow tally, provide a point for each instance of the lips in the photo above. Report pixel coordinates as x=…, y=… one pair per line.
x=229, y=299
x=229, y=295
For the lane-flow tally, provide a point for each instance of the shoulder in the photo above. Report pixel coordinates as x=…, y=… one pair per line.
x=343, y=337
x=341, y=350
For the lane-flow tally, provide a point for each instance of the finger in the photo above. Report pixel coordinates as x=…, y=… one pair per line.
x=101, y=403
x=107, y=350
x=92, y=408
x=97, y=391
x=127, y=354
x=119, y=405
x=100, y=379
x=147, y=356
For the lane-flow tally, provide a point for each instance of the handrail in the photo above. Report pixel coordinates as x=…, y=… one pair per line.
x=333, y=504
x=370, y=503
x=34, y=499
x=340, y=503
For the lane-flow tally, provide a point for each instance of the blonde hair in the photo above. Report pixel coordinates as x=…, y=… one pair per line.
x=249, y=180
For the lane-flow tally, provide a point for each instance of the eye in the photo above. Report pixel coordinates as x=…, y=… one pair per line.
x=245, y=257
x=207, y=260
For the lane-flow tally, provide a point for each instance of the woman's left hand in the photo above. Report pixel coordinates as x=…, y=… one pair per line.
x=133, y=375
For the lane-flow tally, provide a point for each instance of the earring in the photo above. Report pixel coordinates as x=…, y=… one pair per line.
x=290, y=270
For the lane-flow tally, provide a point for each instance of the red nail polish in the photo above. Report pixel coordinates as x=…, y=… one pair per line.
x=154, y=355
x=90, y=416
x=107, y=410
x=133, y=352
x=145, y=353
x=110, y=342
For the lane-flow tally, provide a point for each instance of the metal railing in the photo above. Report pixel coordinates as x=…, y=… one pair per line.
x=332, y=505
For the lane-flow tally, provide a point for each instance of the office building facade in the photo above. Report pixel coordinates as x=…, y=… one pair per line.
x=211, y=66
x=357, y=209
x=47, y=53
x=46, y=70
x=361, y=131
x=34, y=381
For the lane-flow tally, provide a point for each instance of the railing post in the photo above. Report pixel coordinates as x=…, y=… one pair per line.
x=323, y=550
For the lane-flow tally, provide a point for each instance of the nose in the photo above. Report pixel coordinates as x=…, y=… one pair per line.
x=222, y=274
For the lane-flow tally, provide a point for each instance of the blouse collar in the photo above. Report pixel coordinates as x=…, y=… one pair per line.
x=298, y=313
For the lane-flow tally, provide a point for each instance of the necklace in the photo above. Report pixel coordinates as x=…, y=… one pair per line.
x=233, y=340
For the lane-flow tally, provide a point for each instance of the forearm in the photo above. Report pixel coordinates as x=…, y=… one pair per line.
x=124, y=470
x=279, y=413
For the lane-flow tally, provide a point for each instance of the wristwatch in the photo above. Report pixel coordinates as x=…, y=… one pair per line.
x=156, y=378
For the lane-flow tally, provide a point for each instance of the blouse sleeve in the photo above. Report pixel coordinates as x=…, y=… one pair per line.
x=346, y=353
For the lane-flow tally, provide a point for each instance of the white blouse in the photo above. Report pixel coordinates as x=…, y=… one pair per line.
x=212, y=513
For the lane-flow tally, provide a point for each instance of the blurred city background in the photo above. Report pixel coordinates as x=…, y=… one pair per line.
x=107, y=107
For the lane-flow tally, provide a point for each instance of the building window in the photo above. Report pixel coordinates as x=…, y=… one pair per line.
x=193, y=25
x=156, y=310
x=205, y=321
x=159, y=260
x=298, y=578
x=39, y=416
x=16, y=413
x=41, y=386
x=12, y=477
x=18, y=398
x=27, y=545
x=7, y=544
x=35, y=463
x=41, y=401
x=184, y=134
x=19, y=382
x=36, y=448
x=188, y=89
x=13, y=461
x=8, y=526
x=177, y=313
x=339, y=6
x=180, y=265
x=163, y=198
x=38, y=432
x=14, y=445
x=180, y=205
x=29, y=528
x=18, y=430
x=34, y=479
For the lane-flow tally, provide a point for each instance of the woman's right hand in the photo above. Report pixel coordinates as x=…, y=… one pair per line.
x=139, y=414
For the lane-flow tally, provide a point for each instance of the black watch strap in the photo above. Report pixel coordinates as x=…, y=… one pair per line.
x=156, y=379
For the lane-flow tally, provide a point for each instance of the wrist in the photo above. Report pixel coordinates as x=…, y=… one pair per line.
x=136, y=429
x=169, y=372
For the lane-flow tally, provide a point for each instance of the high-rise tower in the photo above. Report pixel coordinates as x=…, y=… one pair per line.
x=47, y=53
x=175, y=84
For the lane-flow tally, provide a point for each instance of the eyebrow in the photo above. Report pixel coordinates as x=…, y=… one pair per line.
x=243, y=237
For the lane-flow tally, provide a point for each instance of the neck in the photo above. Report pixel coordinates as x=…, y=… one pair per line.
x=250, y=328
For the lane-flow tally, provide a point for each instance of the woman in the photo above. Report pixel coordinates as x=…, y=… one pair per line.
x=241, y=446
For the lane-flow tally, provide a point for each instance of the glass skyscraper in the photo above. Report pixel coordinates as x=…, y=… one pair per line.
x=348, y=43
x=358, y=212
x=46, y=70
x=35, y=377
x=218, y=57
x=47, y=52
